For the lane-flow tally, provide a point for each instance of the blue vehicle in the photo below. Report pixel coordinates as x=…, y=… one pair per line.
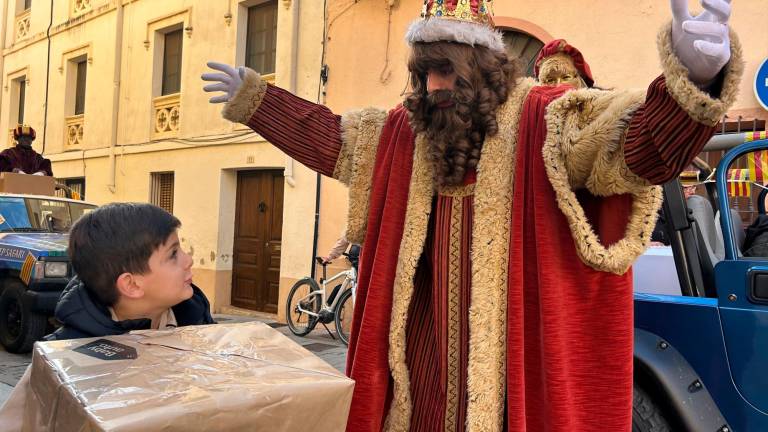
x=701, y=334
x=34, y=268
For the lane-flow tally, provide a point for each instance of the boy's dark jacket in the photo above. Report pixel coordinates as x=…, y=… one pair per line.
x=83, y=316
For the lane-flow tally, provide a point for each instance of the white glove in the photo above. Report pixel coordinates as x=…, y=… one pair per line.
x=228, y=82
x=702, y=43
x=39, y=173
x=18, y=171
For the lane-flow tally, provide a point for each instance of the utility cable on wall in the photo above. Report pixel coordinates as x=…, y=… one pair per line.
x=386, y=73
x=47, y=80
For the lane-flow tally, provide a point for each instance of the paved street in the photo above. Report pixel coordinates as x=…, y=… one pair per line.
x=12, y=366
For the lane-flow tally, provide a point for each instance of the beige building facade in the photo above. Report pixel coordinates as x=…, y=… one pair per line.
x=617, y=38
x=136, y=125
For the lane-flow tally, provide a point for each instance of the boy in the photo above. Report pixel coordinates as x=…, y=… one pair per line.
x=131, y=275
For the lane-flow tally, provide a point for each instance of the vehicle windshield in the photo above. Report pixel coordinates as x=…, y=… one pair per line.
x=19, y=214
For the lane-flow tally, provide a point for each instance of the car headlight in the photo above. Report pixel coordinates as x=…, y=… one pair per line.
x=55, y=269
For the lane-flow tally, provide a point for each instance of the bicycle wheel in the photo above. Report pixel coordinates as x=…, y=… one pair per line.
x=344, y=311
x=299, y=322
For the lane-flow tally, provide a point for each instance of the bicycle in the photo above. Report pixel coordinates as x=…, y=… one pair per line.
x=308, y=304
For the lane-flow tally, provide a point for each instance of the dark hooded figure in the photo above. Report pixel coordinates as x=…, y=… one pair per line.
x=23, y=158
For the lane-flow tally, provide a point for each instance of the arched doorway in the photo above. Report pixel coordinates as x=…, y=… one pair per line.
x=524, y=47
x=523, y=39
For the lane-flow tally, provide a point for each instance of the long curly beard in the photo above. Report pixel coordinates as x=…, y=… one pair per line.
x=455, y=138
x=456, y=122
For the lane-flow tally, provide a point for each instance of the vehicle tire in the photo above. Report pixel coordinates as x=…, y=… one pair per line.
x=20, y=327
x=300, y=323
x=343, y=313
x=646, y=415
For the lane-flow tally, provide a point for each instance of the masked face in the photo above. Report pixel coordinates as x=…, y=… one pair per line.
x=559, y=78
x=559, y=69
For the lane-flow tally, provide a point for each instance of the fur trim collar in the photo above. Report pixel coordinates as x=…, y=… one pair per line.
x=414, y=237
x=487, y=314
x=585, y=148
x=360, y=135
x=486, y=370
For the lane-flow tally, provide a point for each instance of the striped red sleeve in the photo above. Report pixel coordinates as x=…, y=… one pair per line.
x=662, y=138
x=305, y=131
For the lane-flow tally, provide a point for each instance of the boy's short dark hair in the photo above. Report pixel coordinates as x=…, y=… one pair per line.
x=115, y=239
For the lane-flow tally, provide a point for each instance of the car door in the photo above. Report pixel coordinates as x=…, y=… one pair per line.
x=742, y=281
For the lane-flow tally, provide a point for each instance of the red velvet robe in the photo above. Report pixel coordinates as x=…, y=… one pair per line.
x=25, y=159
x=569, y=326
x=569, y=334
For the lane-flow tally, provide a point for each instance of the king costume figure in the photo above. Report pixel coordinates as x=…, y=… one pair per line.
x=499, y=219
x=22, y=158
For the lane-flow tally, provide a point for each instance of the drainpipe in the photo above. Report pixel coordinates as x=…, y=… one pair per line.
x=293, y=88
x=3, y=32
x=47, y=80
x=295, y=21
x=293, y=82
x=116, y=97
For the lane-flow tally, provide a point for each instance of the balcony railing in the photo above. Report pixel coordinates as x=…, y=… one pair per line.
x=75, y=131
x=22, y=24
x=167, y=116
x=80, y=6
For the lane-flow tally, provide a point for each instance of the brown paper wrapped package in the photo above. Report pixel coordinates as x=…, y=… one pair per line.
x=27, y=184
x=226, y=377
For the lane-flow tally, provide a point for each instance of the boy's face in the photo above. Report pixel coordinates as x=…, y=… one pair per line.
x=169, y=279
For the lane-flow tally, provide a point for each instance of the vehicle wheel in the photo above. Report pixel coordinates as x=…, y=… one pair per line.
x=646, y=415
x=20, y=328
x=299, y=322
x=344, y=311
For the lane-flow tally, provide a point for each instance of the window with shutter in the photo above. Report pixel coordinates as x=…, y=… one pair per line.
x=172, y=62
x=161, y=193
x=22, y=96
x=75, y=184
x=261, y=42
x=82, y=70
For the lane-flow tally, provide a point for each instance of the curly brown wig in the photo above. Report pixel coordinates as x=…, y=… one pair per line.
x=456, y=131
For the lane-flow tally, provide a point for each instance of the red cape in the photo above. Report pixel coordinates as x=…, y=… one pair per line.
x=25, y=159
x=569, y=327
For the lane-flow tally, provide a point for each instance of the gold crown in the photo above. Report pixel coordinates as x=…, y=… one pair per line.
x=464, y=10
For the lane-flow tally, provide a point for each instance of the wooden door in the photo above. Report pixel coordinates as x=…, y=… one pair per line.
x=258, y=235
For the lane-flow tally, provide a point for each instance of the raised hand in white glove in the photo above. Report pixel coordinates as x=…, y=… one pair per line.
x=702, y=42
x=228, y=82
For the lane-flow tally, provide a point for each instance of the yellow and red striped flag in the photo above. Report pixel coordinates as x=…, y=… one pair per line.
x=26, y=269
x=754, y=136
x=758, y=166
x=738, y=183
